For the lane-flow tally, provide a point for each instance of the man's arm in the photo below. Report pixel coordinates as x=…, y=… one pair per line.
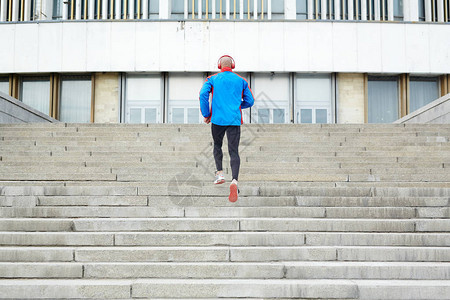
x=204, y=98
x=247, y=97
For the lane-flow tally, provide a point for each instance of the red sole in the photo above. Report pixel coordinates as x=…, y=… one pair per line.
x=233, y=193
x=220, y=182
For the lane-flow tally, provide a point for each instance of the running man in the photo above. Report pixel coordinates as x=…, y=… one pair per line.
x=230, y=93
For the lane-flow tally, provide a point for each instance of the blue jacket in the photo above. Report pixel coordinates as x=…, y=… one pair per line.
x=230, y=94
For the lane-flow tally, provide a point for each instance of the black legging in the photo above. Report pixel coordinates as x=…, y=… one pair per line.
x=233, y=136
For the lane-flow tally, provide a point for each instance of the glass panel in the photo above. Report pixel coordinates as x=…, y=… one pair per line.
x=306, y=116
x=193, y=115
x=144, y=92
x=183, y=95
x=264, y=116
x=278, y=116
x=178, y=115
x=153, y=9
x=398, y=10
x=321, y=116
x=57, y=11
x=135, y=115
x=150, y=115
x=35, y=92
x=383, y=99
x=423, y=91
x=4, y=85
x=75, y=100
x=302, y=9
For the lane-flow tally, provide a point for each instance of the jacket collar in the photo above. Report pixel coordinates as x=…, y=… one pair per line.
x=226, y=69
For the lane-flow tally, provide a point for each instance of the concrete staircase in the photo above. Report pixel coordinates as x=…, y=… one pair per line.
x=130, y=211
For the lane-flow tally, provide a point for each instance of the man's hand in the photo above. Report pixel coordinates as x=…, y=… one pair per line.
x=207, y=120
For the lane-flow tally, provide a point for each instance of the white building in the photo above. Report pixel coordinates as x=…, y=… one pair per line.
x=307, y=61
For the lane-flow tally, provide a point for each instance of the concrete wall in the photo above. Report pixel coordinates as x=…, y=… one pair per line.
x=350, y=98
x=437, y=112
x=14, y=111
x=297, y=46
x=106, y=98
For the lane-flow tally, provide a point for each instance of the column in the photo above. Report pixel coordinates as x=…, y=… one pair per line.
x=310, y=10
x=227, y=9
x=91, y=10
x=105, y=9
x=200, y=13
x=269, y=9
x=440, y=10
x=290, y=9
x=255, y=9
x=390, y=10
x=241, y=9
x=78, y=10
x=411, y=11
x=363, y=10
x=130, y=9
x=145, y=9
x=3, y=11
x=351, y=13
x=337, y=9
x=323, y=10
x=65, y=12
x=27, y=11
x=213, y=9
x=376, y=10
x=428, y=10
x=15, y=11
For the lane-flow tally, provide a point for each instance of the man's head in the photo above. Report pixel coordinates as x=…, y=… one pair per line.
x=226, y=62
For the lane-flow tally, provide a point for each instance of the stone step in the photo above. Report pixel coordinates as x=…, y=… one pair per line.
x=231, y=270
x=345, y=202
x=179, y=210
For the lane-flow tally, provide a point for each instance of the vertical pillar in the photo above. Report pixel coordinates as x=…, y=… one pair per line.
x=105, y=9
x=376, y=10
x=15, y=11
x=290, y=9
x=241, y=9
x=165, y=9
x=337, y=9
x=91, y=10
x=411, y=11
x=130, y=9
x=213, y=9
x=78, y=10
x=200, y=12
x=440, y=11
x=269, y=9
x=428, y=10
x=186, y=8
x=323, y=10
x=144, y=9
x=3, y=11
x=363, y=11
x=65, y=12
x=350, y=9
x=390, y=10
x=227, y=9
x=310, y=10
x=27, y=10
x=255, y=9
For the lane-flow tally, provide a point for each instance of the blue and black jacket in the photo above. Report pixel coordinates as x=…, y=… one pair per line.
x=230, y=93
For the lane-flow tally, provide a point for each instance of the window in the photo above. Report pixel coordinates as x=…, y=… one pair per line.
x=398, y=10
x=421, y=10
x=423, y=90
x=57, y=9
x=314, y=95
x=302, y=9
x=35, y=92
x=178, y=9
x=383, y=99
x=153, y=9
x=183, y=98
x=76, y=99
x=271, y=92
x=4, y=85
x=143, y=98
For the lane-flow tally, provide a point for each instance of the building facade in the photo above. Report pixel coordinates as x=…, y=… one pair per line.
x=144, y=61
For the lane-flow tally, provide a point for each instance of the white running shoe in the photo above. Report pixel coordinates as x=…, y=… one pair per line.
x=234, y=191
x=219, y=179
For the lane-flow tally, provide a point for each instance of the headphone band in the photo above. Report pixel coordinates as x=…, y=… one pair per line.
x=219, y=64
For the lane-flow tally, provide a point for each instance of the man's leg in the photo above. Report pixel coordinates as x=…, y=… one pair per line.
x=218, y=133
x=234, y=136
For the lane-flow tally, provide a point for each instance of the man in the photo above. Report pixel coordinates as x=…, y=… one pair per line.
x=230, y=93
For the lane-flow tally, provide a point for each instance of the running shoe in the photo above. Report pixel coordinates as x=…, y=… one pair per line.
x=234, y=191
x=219, y=179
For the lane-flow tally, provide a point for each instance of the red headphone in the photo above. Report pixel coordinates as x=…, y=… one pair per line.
x=219, y=64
